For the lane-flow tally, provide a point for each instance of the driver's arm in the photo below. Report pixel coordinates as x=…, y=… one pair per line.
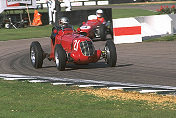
x=54, y=32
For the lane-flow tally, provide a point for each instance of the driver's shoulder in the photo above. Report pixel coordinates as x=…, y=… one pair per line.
x=56, y=28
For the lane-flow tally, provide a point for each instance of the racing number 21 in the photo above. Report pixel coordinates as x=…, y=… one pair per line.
x=76, y=42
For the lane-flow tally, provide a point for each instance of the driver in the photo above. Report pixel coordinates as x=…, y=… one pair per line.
x=63, y=23
x=99, y=14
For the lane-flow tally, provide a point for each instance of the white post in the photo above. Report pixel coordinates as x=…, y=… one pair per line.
x=51, y=7
x=67, y=5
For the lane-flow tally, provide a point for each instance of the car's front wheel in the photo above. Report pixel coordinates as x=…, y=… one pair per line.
x=60, y=57
x=36, y=54
x=110, y=53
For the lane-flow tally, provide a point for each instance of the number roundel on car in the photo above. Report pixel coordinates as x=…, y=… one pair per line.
x=85, y=27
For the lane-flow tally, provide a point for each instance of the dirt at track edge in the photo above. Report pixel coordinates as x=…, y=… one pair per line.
x=168, y=101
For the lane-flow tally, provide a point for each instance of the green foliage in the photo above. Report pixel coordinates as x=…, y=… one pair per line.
x=166, y=10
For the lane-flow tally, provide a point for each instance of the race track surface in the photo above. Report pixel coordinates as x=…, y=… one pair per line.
x=141, y=63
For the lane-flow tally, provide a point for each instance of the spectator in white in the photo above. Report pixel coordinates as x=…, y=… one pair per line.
x=67, y=5
x=51, y=10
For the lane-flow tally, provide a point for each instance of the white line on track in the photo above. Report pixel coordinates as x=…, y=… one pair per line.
x=21, y=78
x=38, y=81
x=119, y=88
x=89, y=85
x=90, y=81
x=11, y=75
x=61, y=83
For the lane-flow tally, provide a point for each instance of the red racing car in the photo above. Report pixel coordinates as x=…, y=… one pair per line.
x=94, y=28
x=72, y=47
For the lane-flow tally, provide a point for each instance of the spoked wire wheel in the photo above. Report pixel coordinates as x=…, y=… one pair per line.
x=36, y=54
x=110, y=53
x=60, y=57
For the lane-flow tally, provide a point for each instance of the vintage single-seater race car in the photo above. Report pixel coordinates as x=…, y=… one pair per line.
x=95, y=29
x=72, y=47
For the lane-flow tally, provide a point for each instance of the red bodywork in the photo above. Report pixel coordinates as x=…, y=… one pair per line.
x=70, y=41
x=89, y=28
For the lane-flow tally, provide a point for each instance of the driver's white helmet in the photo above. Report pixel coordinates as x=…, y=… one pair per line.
x=99, y=13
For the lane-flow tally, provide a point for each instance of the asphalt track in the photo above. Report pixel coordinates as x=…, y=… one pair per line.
x=141, y=63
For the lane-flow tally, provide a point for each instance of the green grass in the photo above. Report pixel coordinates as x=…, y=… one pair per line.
x=144, y=3
x=125, y=13
x=37, y=100
x=165, y=38
x=30, y=11
x=25, y=33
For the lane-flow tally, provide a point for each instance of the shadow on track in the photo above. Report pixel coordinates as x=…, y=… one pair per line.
x=72, y=66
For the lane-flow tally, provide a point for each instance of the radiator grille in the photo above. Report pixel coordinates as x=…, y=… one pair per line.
x=87, y=48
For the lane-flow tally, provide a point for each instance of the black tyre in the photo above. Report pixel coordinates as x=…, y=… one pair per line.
x=36, y=54
x=103, y=32
x=111, y=30
x=110, y=53
x=60, y=57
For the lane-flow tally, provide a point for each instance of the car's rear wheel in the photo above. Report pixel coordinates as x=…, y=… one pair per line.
x=110, y=53
x=103, y=32
x=36, y=54
x=60, y=57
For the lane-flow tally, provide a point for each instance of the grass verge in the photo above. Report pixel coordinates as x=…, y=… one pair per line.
x=37, y=100
x=165, y=38
x=125, y=13
x=147, y=3
x=25, y=33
